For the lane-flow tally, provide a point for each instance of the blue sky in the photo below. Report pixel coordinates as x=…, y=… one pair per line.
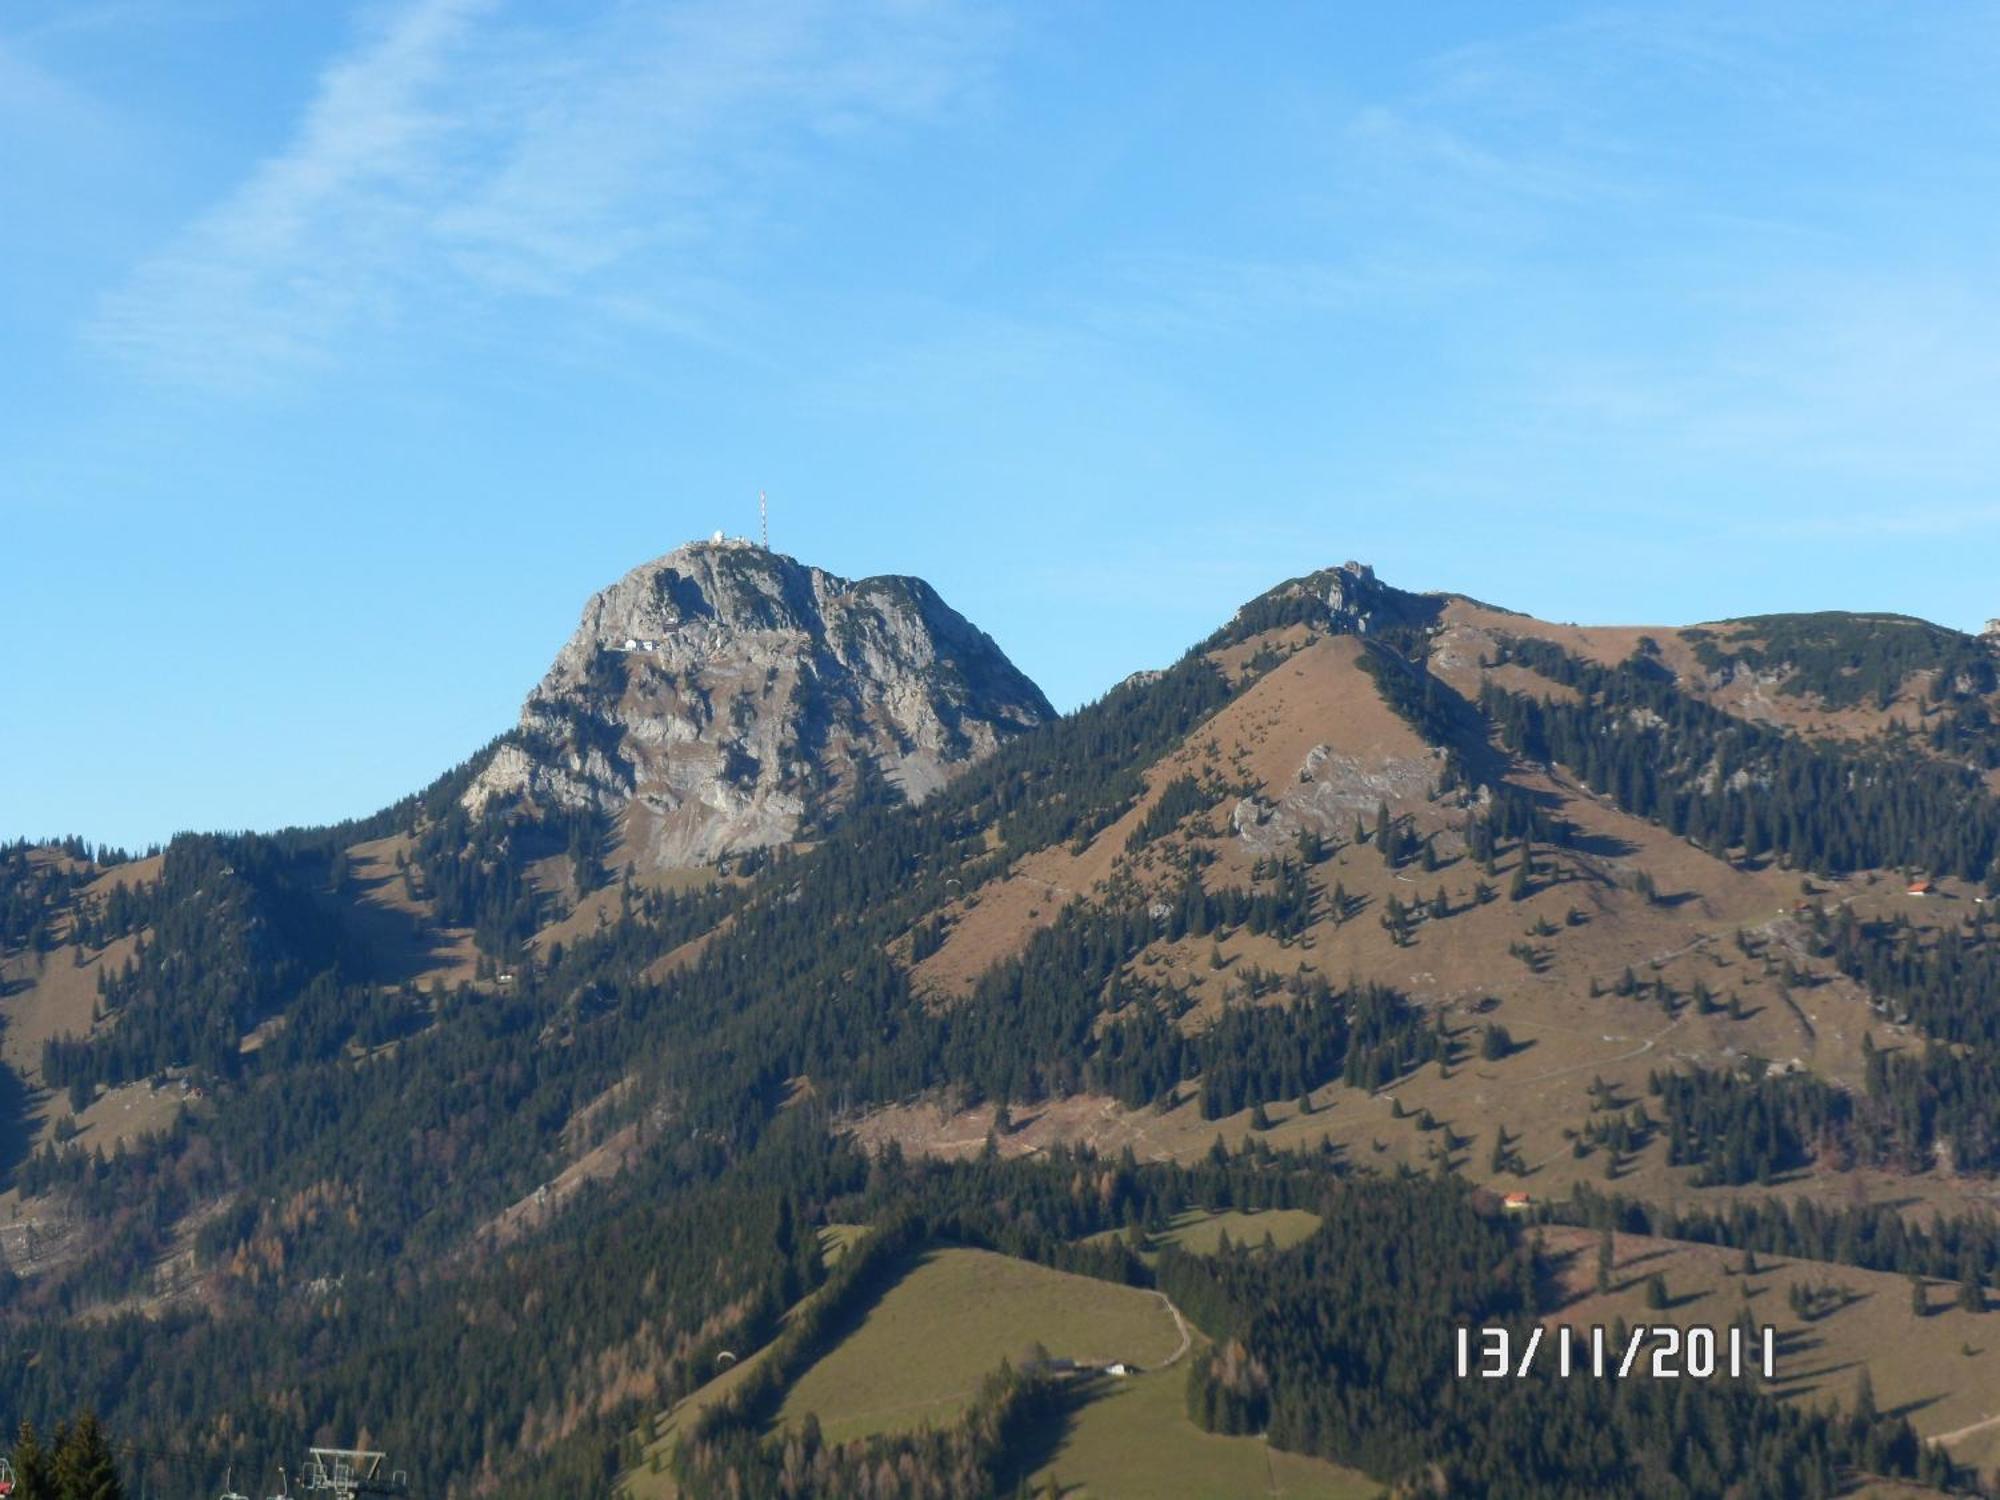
x=348, y=348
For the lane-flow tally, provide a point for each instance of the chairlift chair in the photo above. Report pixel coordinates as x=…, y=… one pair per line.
x=6, y=1477
x=348, y=1472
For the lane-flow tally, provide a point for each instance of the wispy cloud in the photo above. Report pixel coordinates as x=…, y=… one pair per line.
x=36, y=102
x=1885, y=379
x=1623, y=232
x=461, y=153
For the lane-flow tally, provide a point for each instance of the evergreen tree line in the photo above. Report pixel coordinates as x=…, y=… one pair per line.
x=1032, y=1026
x=1179, y=798
x=1343, y=1347
x=1738, y=1133
x=1735, y=787
x=1916, y=1106
x=76, y=1463
x=473, y=871
x=1946, y=982
x=1874, y=1237
x=235, y=927
x=536, y=1353
x=1076, y=776
x=34, y=891
x=1848, y=660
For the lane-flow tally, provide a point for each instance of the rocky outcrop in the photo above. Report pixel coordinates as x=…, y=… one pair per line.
x=725, y=698
x=1347, y=600
x=1333, y=790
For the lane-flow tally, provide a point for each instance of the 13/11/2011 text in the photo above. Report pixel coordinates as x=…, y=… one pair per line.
x=1663, y=1352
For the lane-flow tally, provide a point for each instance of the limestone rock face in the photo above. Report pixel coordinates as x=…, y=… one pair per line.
x=725, y=698
x=1332, y=790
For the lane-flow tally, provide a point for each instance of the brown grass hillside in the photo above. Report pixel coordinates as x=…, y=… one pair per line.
x=1313, y=743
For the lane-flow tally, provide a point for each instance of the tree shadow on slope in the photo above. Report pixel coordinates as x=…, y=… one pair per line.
x=17, y=1124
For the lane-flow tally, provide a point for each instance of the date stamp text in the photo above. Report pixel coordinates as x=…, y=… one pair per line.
x=1659, y=1350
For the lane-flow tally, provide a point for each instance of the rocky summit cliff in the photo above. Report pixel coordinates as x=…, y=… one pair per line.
x=725, y=698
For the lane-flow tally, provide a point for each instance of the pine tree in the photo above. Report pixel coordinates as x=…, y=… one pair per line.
x=34, y=1466
x=84, y=1467
x=1971, y=1290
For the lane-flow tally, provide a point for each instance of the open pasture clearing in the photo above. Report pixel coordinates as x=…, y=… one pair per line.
x=920, y=1352
x=1131, y=1440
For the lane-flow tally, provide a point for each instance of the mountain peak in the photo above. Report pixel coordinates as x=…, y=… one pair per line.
x=1348, y=600
x=726, y=697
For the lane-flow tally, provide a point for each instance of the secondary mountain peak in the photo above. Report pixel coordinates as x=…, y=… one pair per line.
x=726, y=697
x=1347, y=600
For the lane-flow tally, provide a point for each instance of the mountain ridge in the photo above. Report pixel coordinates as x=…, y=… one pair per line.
x=1368, y=886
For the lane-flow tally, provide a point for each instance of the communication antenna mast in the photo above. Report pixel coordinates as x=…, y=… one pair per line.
x=764, y=520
